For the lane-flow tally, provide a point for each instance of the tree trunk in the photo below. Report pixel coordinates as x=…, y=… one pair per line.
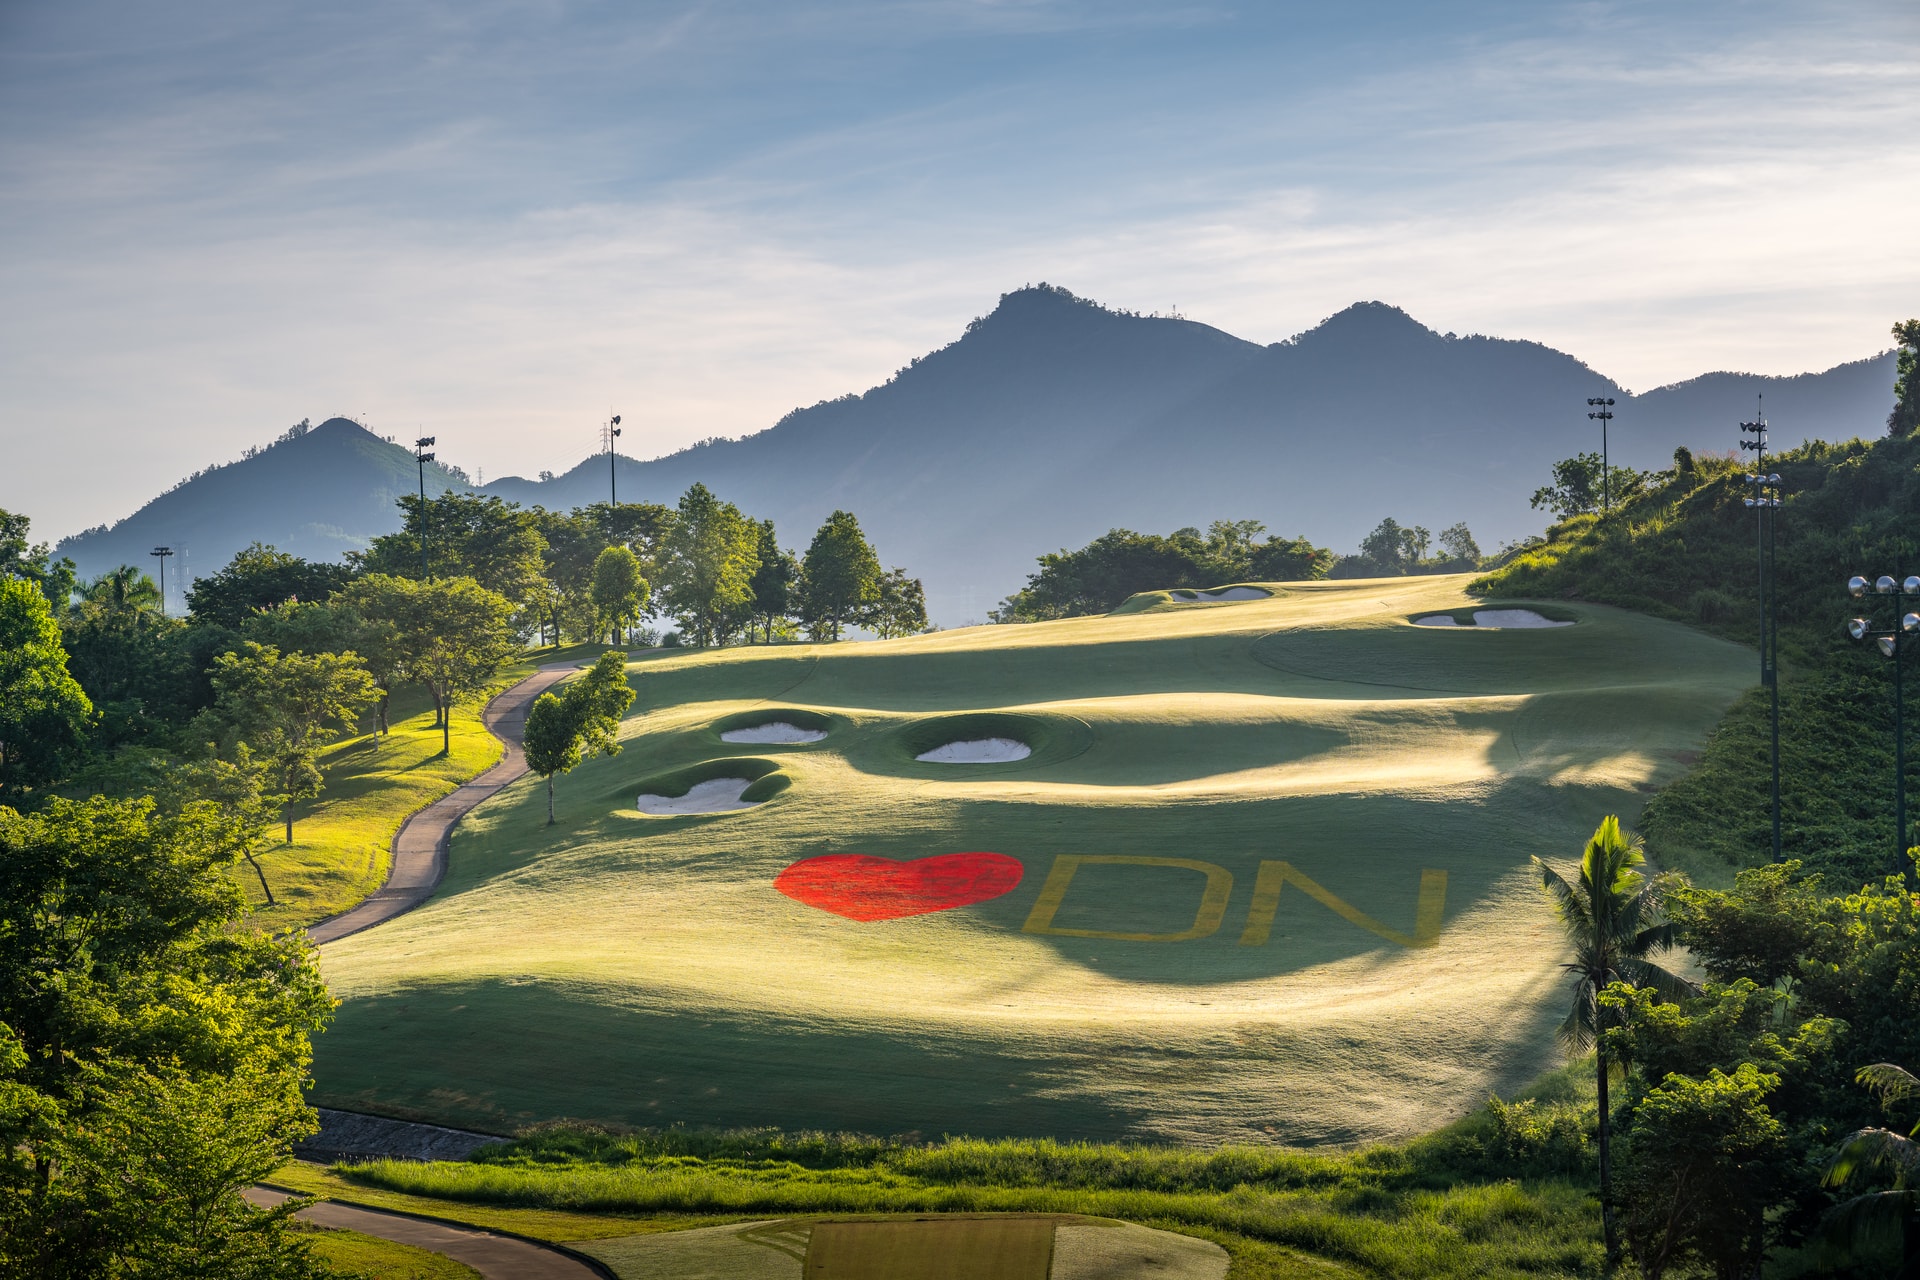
x=549, y=799
x=446, y=734
x=1608, y=1231
x=264, y=887
x=289, y=817
x=385, y=693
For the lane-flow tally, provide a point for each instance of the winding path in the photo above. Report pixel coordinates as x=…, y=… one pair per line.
x=420, y=846
x=495, y=1256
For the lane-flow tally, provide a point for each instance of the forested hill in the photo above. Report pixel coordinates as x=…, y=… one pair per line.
x=316, y=493
x=1053, y=420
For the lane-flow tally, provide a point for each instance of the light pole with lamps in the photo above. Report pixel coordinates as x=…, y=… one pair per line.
x=423, y=457
x=161, y=554
x=1765, y=502
x=1603, y=411
x=613, y=481
x=1889, y=641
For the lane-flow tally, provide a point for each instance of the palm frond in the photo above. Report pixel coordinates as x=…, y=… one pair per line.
x=1668, y=985
x=1868, y=1150
x=1576, y=1031
x=1888, y=1082
x=1879, y=1214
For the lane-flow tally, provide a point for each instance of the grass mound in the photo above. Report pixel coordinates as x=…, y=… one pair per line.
x=1263, y=879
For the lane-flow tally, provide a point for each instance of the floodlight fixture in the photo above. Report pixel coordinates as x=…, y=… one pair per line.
x=1885, y=584
x=1856, y=586
x=1892, y=642
x=1858, y=628
x=161, y=553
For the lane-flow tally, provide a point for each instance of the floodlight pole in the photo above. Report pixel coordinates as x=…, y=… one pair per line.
x=1766, y=515
x=422, y=457
x=1603, y=406
x=1891, y=643
x=613, y=481
x=161, y=554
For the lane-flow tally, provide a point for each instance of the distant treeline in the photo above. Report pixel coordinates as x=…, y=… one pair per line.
x=1120, y=563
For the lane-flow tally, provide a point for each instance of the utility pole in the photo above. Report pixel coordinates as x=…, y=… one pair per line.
x=613, y=482
x=161, y=553
x=1604, y=412
x=422, y=457
x=1889, y=640
x=1766, y=515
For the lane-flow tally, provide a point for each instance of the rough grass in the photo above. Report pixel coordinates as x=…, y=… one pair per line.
x=1446, y=1206
x=357, y=1254
x=624, y=971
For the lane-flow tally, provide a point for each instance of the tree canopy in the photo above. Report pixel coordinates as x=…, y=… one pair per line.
x=44, y=714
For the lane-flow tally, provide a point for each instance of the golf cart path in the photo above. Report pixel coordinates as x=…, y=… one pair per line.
x=420, y=846
x=495, y=1256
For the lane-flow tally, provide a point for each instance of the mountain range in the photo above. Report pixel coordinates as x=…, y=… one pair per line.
x=1054, y=419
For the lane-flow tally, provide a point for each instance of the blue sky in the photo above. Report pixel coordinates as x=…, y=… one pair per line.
x=497, y=222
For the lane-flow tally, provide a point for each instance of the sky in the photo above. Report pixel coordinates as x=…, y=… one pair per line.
x=498, y=223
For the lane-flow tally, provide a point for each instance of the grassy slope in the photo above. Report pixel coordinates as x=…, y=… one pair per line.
x=636, y=969
x=343, y=842
x=1686, y=550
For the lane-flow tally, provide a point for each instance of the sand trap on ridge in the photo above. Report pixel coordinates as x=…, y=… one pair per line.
x=716, y=795
x=773, y=731
x=1495, y=619
x=978, y=751
x=1225, y=593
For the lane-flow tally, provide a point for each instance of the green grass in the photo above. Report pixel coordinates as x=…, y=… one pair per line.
x=1486, y=1196
x=642, y=970
x=352, y=1252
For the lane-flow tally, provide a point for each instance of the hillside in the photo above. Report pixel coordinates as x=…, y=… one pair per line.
x=1252, y=871
x=318, y=495
x=1052, y=420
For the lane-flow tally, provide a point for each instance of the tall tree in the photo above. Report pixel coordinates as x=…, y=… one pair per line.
x=456, y=637
x=151, y=1052
x=122, y=590
x=840, y=577
x=33, y=561
x=583, y=719
x=1612, y=917
x=44, y=714
x=467, y=536
x=775, y=581
x=370, y=615
x=1881, y=1150
x=261, y=577
x=1906, y=383
x=619, y=592
x=711, y=554
x=287, y=707
x=899, y=606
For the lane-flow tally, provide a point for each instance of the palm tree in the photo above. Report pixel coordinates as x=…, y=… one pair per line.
x=1613, y=920
x=122, y=590
x=1868, y=1150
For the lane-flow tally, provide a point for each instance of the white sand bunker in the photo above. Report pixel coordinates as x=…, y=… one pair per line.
x=1498, y=619
x=716, y=795
x=773, y=731
x=978, y=751
x=1225, y=593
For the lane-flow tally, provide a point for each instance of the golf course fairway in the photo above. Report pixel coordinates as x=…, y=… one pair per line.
x=1262, y=876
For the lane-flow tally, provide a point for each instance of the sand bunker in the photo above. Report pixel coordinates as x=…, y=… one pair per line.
x=1225, y=593
x=1496, y=619
x=773, y=731
x=978, y=751
x=716, y=795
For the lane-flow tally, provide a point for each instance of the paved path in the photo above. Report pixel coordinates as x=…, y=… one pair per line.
x=497, y=1257
x=420, y=846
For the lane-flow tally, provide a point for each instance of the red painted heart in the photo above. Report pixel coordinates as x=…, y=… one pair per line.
x=863, y=888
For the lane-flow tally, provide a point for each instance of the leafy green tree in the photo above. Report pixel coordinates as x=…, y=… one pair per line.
x=467, y=536
x=840, y=577
x=1284, y=560
x=34, y=562
x=1612, y=917
x=367, y=616
x=1906, y=383
x=899, y=606
x=238, y=787
x=710, y=556
x=775, y=582
x=583, y=719
x=261, y=577
x=455, y=638
x=1458, y=550
x=619, y=592
x=1701, y=1162
x=152, y=1053
x=139, y=669
x=1580, y=482
x=1880, y=1150
x=289, y=706
x=44, y=714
